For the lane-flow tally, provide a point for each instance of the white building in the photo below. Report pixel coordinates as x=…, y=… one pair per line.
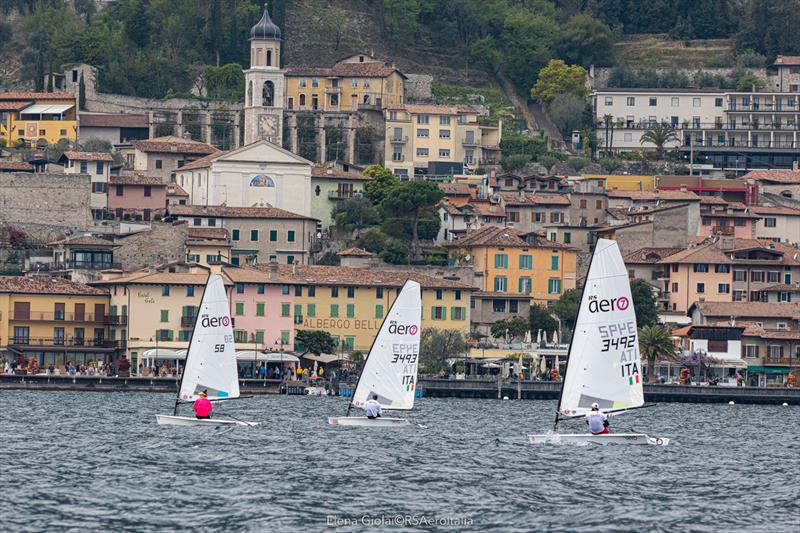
x=780, y=224
x=98, y=166
x=259, y=174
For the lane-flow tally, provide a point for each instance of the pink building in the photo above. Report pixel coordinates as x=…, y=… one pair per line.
x=732, y=219
x=136, y=197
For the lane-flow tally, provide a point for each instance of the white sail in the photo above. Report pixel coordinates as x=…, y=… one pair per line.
x=604, y=364
x=390, y=370
x=211, y=361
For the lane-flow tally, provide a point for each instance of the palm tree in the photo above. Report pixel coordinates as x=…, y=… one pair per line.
x=659, y=135
x=655, y=344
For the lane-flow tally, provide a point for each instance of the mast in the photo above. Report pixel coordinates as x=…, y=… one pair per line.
x=571, y=339
x=189, y=349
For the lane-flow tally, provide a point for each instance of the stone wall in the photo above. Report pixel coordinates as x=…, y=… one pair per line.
x=162, y=243
x=598, y=76
x=418, y=88
x=45, y=201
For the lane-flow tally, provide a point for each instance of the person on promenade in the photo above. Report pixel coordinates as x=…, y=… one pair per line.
x=202, y=406
x=372, y=408
x=597, y=421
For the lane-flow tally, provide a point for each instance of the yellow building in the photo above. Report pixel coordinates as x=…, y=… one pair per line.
x=626, y=183
x=53, y=320
x=438, y=139
x=509, y=264
x=357, y=82
x=32, y=117
x=350, y=303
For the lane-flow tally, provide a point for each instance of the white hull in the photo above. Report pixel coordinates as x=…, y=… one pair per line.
x=363, y=421
x=588, y=438
x=169, y=420
x=316, y=391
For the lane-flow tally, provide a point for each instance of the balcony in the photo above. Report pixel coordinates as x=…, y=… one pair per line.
x=85, y=265
x=188, y=321
x=115, y=320
x=343, y=194
x=782, y=361
x=398, y=158
x=470, y=142
x=40, y=316
x=723, y=230
x=38, y=343
x=399, y=140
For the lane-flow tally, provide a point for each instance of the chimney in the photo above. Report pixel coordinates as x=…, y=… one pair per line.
x=795, y=167
x=273, y=270
x=684, y=189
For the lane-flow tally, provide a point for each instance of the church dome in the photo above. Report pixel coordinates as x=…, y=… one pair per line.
x=265, y=29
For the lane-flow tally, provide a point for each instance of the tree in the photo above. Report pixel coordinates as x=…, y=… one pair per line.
x=409, y=199
x=559, y=78
x=747, y=82
x=587, y=41
x=357, y=360
x=93, y=144
x=644, y=303
x=355, y=213
x=659, y=135
x=439, y=345
x=225, y=82
x=655, y=345
x=395, y=253
x=373, y=240
x=315, y=341
x=383, y=182
x=541, y=319
x=514, y=327
x=81, y=94
x=567, y=306
x=566, y=112
x=329, y=258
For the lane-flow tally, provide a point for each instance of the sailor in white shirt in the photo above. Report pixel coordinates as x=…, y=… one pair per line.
x=372, y=408
x=597, y=421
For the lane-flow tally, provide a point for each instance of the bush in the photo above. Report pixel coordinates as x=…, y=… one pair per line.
x=578, y=163
x=746, y=83
x=329, y=258
x=611, y=164
x=548, y=161
x=373, y=241
x=523, y=144
x=558, y=156
x=396, y=253
x=515, y=162
x=3, y=142
x=749, y=58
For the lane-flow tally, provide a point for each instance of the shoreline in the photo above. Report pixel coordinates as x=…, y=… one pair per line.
x=427, y=387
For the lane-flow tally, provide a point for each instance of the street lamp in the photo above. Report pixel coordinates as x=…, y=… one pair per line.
x=278, y=342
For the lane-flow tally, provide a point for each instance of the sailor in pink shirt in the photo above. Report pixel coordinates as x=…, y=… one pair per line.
x=202, y=406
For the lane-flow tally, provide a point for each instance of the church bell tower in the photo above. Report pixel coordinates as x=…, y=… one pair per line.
x=264, y=84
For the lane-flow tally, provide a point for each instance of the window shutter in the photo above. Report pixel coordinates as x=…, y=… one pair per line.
x=433, y=312
x=757, y=350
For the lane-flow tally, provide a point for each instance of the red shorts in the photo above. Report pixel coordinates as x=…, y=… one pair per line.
x=604, y=432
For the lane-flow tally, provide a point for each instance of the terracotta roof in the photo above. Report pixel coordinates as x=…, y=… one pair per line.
x=712, y=200
x=706, y=253
x=135, y=179
x=769, y=210
x=16, y=165
x=113, y=120
x=45, y=285
x=649, y=256
x=498, y=236
x=535, y=199
x=787, y=60
x=221, y=211
x=725, y=214
x=358, y=277
x=36, y=96
x=681, y=332
x=207, y=233
x=84, y=240
x=355, y=252
x=486, y=209
x=203, y=162
x=344, y=69
x=14, y=106
x=749, y=309
x=777, y=176
x=154, y=277
x=433, y=109
x=506, y=295
x=174, y=144
x=638, y=196
x=217, y=243
x=88, y=156
x=330, y=172
x=173, y=189
x=782, y=287
x=455, y=189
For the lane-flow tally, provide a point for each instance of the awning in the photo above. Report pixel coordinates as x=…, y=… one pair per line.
x=269, y=357
x=769, y=369
x=162, y=353
x=324, y=358
x=46, y=109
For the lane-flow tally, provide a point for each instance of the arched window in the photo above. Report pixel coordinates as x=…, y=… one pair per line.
x=268, y=94
x=250, y=93
x=269, y=58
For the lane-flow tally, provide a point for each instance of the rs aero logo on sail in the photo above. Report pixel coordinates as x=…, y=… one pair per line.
x=215, y=321
x=608, y=304
x=402, y=329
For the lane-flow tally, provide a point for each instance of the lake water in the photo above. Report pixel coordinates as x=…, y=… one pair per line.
x=88, y=461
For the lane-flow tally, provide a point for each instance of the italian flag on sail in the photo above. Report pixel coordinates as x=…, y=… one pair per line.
x=631, y=380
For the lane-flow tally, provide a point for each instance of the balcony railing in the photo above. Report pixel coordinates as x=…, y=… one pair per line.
x=40, y=316
x=82, y=265
x=736, y=143
x=188, y=321
x=398, y=158
x=722, y=230
x=116, y=320
x=66, y=342
x=343, y=194
x=399, y=140
x=782, y=361
x=471, y=142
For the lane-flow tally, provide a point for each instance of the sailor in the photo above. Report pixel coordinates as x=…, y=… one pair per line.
x=202, y=405
x=372, y=408
x=597, y=421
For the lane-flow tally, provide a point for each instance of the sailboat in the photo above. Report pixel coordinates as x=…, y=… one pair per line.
x=390, y=370
x=211, y=360
x=603, y=363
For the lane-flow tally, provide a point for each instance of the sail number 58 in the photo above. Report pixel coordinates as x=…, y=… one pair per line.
x=219, y=348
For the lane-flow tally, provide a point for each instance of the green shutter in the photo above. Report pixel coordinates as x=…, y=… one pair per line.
x=239, y=308
x=285, y=337
x=260, y=337
x=259, y=309
x=433, y=312
x=285, y=309
x=554, y=263
x=169, y=334
x=444, y=312
x=311, y=310
x=351, y=310
x=164, y=315
x=273, y=235
x=334, y=310
x=235, y=235
x=298, y=309
x=379, y=311
x=290, y=236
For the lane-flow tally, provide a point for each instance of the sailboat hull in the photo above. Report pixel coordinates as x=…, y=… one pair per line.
x=169, y=420
x=610, y=438
x=363, y=421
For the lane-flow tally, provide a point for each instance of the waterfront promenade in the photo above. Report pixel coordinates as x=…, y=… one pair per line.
x=429, y=387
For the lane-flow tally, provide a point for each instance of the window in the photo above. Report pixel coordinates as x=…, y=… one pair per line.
x=444, y=153
x=651, y=120
x=302, y=83
x=315, y=81
x=723, y=288
x=351, y=292
x=311, y=310
x=499, y=306
x=239, y=308
x=99, y=168
x=285, y=310
x=773, y=277
x=458, y=313
x=98, y=187
x=165, y=290
x=290, y=235
x=775, y=351
x=285, y=289
x=159, y=164
x=700, y=267
x=627, y=137
x=298, y=290
x=422, y=152
x=273, y=235
x=458, y=295
x=423, y=132
x=379, y=292
x=526, y=262
x=722, y=269
x=500, y=284
x=444, y=134
x=717, y=102
x=260, y=288
x=254, y=235
x=240, y=288
x=260, y=309
x=674, y=287
x=235, y=235
x=653, y=101
x=696, y=122
x=438, y=312
x=165, y=315
x=350, y=310
x=756, y=275
x=750, y=350
x=379, y=311
x=334, y=292
x=148, y=190
x=739, y=275
x=554, y=286
x=701, y=288
x=738, y=296
x=84, y=167
x=583, y=203
x=501, y=260
x=695, y=102
x=770, y=222
x=312, y=290
x=334, y=310
x=631, y=101
x=567, y=237
x=423, y=119
x=118, y=191
x=554, y=262
x=285, y=337
x=609, y=100
x=675, y=101
x=525, y=285
x=190, y=290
